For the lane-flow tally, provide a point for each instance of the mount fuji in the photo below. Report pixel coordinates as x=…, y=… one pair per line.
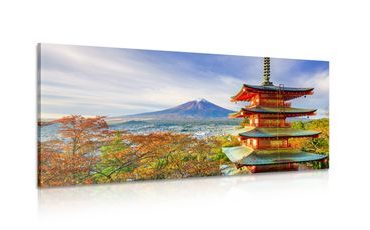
x=196, y=109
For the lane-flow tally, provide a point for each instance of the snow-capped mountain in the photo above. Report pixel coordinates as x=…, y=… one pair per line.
x=196, y=109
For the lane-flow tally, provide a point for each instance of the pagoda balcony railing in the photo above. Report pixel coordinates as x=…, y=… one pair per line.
x=274, y=104
x=261, y=125
x=283, y=146
x=271, y=104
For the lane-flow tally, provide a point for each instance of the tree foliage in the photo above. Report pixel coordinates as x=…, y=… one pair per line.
x=82, y=135
x=69, y=160
x=317, y=145
x=162, y=155
x=89, y=153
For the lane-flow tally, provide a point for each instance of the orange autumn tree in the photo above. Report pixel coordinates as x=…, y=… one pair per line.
x=88, y=152
x=69, y=161
x=83, y=135
x=160, y=155
x=59, y=169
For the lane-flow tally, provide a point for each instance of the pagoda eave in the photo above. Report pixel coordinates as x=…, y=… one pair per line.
x=280, y=158
x=273, y=88
x=271, y=133
x=249, y=91
x=244, y=137
x=282, y=112
x=246, y=156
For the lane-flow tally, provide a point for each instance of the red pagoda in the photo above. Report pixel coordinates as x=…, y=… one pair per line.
x=264, y=142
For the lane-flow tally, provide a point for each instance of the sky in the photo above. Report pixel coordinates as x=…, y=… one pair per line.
x=100, y=81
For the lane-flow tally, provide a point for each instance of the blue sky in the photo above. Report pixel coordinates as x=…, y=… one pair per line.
x=109, y=81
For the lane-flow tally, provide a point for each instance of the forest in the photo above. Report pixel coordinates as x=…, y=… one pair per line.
x=89, y=152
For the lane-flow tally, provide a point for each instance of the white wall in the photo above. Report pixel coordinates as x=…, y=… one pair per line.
x=327, y=30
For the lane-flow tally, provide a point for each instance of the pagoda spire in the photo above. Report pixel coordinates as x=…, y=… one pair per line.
x=266, y=72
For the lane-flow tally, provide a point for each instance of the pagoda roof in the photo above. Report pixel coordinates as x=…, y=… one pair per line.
x=235, y=154
x=236, y=131
x=244, y=155
x=277, y=88
x=278, y=132
x=286, y=111
x=247, y=92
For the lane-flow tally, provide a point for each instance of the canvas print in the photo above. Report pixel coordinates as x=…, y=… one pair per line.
x=108, y=115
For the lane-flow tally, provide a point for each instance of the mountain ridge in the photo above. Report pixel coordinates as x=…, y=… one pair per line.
x=195, y=109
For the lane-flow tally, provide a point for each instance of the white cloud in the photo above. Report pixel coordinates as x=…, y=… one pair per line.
x=106, y=81
x=82, y=78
